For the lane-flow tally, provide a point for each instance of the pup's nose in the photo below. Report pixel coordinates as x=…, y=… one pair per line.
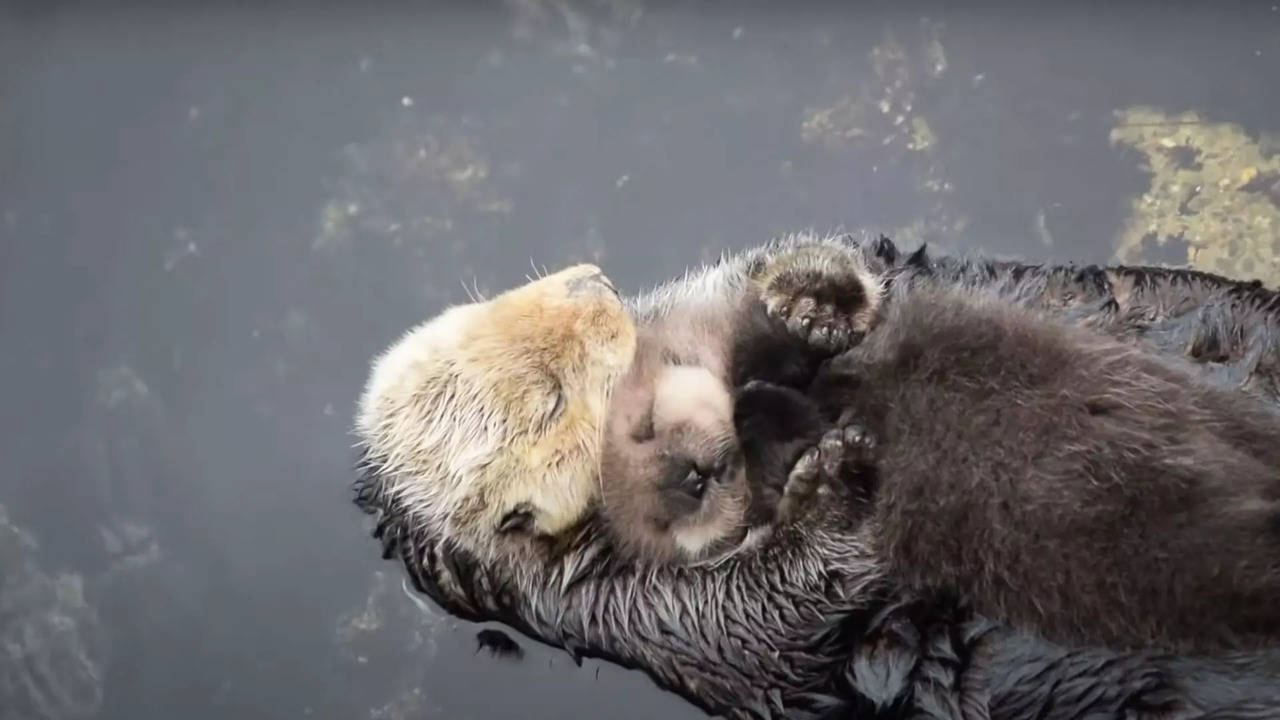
x=592, y=282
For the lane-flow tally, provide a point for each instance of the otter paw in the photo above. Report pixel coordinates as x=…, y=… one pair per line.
x=857, y=444
x=856, y=465
x=802, y=482
x=823, y=294
x=842, y=455
x=844, y=448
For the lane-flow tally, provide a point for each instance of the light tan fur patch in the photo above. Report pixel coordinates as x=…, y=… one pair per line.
x=497, y=407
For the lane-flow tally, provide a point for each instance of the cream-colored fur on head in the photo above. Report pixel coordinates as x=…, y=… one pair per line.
x=692, y=397
x=488, y=417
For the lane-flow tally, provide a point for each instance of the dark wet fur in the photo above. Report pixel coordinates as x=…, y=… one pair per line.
x=1227, y=328
x=788, y=645
x=807, y=627
x=1064, y=482
x=499, y=644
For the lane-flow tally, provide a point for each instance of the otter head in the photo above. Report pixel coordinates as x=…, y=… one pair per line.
x=674, y=482
x=483, y=424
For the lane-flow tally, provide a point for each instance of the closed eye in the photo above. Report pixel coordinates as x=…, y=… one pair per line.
x=557, y=403
x=557, y=407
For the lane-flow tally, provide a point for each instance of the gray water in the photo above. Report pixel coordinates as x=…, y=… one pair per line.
x=214, y=214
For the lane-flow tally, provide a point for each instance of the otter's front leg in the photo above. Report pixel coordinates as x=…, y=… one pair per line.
x=774, y=425
x=843, y=461
x=824, y=294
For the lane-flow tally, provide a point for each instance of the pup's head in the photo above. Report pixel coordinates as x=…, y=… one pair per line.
x=484, y=423
x=674, y=482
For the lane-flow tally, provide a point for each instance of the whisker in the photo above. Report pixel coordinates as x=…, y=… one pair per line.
x=600, y=441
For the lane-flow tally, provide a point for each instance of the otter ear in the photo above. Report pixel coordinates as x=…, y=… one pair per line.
x=517, y=520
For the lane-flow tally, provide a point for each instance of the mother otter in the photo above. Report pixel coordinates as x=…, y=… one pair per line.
x=806, y=626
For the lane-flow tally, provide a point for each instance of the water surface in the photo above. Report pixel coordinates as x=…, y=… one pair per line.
x=213, y=214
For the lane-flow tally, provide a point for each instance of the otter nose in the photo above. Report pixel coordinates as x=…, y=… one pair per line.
x=592, y=282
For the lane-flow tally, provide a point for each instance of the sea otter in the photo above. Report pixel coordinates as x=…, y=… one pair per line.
x=807, y=624
x=534, y=366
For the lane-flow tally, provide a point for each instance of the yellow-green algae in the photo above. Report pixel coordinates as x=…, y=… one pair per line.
x=410, y=185
x=884, y=110
x=885, y=114
x=1214, y=189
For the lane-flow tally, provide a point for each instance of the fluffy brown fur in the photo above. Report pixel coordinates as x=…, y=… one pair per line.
x=1060, y=480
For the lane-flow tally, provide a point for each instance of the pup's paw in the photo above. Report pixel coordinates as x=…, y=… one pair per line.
x=840, y=458
x=856, y=446
x=823, y=294
x=802, y=483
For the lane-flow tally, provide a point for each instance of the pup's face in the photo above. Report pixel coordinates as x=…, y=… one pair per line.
x=675, y=487
x=486, y=421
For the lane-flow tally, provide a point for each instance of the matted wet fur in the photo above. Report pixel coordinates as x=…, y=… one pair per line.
x=1060, y=480
x=807, y=625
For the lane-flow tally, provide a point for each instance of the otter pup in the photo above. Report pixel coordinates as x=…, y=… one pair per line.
x=686, y=496
x=688, y=486
x=1006, y=438
x=677, y=486
x=1057, y=479
x=500, y=414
